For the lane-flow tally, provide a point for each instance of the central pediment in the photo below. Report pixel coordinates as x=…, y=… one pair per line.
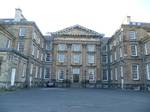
x=77, y=30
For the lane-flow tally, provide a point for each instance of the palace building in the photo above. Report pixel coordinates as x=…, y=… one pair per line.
x=76, y=55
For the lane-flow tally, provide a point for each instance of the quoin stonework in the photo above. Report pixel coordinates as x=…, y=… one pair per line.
x=74, y=57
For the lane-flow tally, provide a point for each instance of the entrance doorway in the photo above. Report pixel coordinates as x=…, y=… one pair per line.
x=76, y=78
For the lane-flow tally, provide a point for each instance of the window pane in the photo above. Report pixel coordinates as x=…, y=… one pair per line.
x=91, y=58
x=133, y=50
x=91, y=48
x=132, y=35
x=76, y=47
x=76, y=71
x=76, y=58
x=135, y=72
x=105, y=75
x=61, y=47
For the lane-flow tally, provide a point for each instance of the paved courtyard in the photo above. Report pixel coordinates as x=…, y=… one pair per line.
x=74, y=100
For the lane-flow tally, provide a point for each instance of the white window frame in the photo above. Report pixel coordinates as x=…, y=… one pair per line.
x=41, y=56
x=31, y=69
x=135, y=50
x=36, y=71
x=24, y=70
x=61, y=57
x=61, y=47
x=111, y=58
x=59, y=73
x=137, y=69
x=146, y=48
x=91, y=48
x=33, y=50
x=75, y=70
x=40, y=72
x=115, y=53
x=91, y=58
x=121, y=71
x=37, y=53
x=45, y=73
x=46, y=57
x=8, y=43
x=21, y=33
x=148, y=71
x=116, y=74
x=111, y=74
x=76, y=58
x=120, y=50
x=76, y=47
x=132, y=35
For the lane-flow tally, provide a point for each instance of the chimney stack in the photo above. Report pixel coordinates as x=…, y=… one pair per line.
x=18, y=15
x=128, y=19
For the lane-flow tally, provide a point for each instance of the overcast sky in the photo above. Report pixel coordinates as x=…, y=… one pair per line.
x=103, y=16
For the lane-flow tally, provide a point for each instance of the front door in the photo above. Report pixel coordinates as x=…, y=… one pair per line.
x=13, y=74
x=75, y=78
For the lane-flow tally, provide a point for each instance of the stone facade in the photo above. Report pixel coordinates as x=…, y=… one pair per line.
x=126, y=56
x=76, y=55
x=29, y=42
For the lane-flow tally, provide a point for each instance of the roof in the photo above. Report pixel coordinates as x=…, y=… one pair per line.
x=77, y=30
x=10, y=21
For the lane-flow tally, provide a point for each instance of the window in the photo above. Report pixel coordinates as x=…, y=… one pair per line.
x=34, y=35
x=40, y=72
x=148, y=71
x=76, y=58
x=104, y=48
x=146, y=48
x=92, y=74
x=90, y=58
x=33, y=49
x=116, y=74
x=90, y=48
x=105, y=75
x=111, y=58
x=132, y=35
x=120, y=52
x=76, y=71
x=110, y=46
x=135, y=71
x=41, y=57
x=22, y=32
x=48, y=57
x=120, y=37
x=115, y=53
x=31, y=69
x=104, y=59
x=36, y=72
x=111, y=74
x=49, y=46
x=24, y=70
x=76, y=47
x=121, y=71
x=133, y=50
x=61, y=47
x=61, y=57
x=8, y=44
x=20, y=46
x=37, y=53
x=47, y=73
x=61, y=75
